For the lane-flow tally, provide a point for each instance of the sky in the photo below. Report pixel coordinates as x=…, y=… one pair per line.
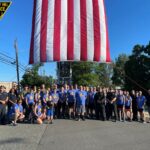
x=128, y=25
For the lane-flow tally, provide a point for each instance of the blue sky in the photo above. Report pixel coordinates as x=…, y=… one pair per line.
x=128, y=22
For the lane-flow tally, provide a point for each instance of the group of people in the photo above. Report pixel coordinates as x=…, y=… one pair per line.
x=36, y=105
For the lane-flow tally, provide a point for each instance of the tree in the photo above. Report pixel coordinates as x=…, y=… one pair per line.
x=91, y=73
x=137, y=68
x=32, y=78
x=104, y=72
x=83, y=73
x=118, y=77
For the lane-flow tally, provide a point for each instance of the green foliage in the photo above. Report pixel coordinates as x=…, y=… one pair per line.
x=93, y=74
x=104, y=72
x=133, y=72
x=137, y=68
x=32, y=78
x=118, y=77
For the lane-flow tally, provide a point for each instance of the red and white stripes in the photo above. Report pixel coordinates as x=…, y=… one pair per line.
x=69, y=30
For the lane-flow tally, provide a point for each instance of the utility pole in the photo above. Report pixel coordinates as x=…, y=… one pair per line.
x=17, y=64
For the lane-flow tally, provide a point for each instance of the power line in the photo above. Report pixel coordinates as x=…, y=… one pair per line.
x=10, y=64
x=12, y=59
x=7, y=56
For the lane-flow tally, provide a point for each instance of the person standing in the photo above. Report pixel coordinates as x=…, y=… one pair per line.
x=3, y=105
x=120, y=105
x=37, y=96
x=134, y=106
x=29, y=102
x=55, y=99
x=12, y=99
x=148, y=103
x=111, y=106
x=43, y=94
x=91, y=104
x=128, y=106
x=80, y=103
x=62, y=103
x=71, y=101
x=50, y=110
x=100, y=100
x=23, y=97
x=141, y=100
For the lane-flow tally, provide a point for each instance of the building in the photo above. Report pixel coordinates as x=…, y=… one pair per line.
x=8, y=85
x=64, y=73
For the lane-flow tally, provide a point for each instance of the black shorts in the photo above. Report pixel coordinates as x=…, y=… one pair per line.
x=140, y=109
x=120, y=106
x=91, y=106
x=71, y=105
x=127, y=107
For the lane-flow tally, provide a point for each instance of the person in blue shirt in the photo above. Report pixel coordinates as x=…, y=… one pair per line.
x=16, y=112
x=29, y=102
x=80, y=103
x=86, y=89
x=128, y=106
x=120, y=100
x=141, y=100
x=50, y=110
x=55, y=99
x=45, y=98
x=13, y=114
x=71, y=101
x=91, y=105
x=66, y=87
x=38, y=112
x=21, y=115
x=76, y=88
x=62, y=103
x=37, y=95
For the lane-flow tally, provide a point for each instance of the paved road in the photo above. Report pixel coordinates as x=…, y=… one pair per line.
x=72, y=135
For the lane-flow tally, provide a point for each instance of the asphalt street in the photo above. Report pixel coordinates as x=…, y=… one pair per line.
x=73, y=135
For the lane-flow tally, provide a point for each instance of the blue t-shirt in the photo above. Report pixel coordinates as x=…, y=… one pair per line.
x=81, y=97
x=66, y=91
x=71, y=96
x=91, y=97
x=13, y=109
x=62, y=96
x=55, y=97
x=120, y=100
x=20, y=108
x=30, y=98
x=39, y=110
x=141, y=101
x=45, y=98
x=128, y=102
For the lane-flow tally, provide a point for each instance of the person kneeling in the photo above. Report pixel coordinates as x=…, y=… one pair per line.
x=16, y=113
x=38, y=113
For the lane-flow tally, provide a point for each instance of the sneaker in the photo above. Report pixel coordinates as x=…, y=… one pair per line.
x=78, y=119
x=51, y=122
x=83, y=119
x=15, y=124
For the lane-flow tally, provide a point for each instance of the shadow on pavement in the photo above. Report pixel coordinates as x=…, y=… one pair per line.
x=11, y=140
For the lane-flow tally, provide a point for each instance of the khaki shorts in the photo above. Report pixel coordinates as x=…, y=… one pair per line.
x=81, y=109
